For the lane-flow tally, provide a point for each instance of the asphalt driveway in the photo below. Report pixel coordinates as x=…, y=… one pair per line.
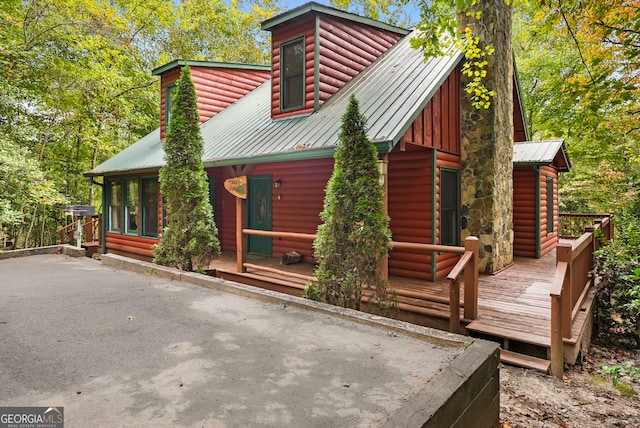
x=117, y=348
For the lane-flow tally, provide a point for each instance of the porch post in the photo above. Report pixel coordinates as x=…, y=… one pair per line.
x=471, y=243
x=241, y=238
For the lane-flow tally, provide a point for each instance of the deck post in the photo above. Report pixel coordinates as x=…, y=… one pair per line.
x=563, y=254
x=557, y=345
x=471, y=243
x=611, y=226
x=454, y=305
x=595, y=243
x=88, y=228
x=99, y=228
x=241, y=238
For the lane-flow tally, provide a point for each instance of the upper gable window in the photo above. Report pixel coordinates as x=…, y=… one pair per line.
x=292, y=79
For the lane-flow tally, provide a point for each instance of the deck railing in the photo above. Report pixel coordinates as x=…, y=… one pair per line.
x=468, y=264
x=572, y=226
x=91, y=230
x=572, y=282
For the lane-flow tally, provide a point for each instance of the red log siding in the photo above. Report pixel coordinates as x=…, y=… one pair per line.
x=410, y=209
x=438, y=124
x=548, y=241
x=297, y=210
x=527, y=236
x=216, y=88
x=224, y=213
x=518, y=121
x=345, y=49
x=444, y=261
x=130, y=246
x=298, y=27
x=524, y=212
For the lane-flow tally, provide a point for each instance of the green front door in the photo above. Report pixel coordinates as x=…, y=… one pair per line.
x=259, y=211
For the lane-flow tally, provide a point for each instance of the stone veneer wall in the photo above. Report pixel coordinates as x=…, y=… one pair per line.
x=487, y=144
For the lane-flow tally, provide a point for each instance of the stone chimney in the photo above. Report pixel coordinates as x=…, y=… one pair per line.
x=487, y=143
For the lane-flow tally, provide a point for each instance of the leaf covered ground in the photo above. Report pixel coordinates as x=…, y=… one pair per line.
x=585, y=398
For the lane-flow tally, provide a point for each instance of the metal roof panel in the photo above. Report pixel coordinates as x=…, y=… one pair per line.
x=391, y=92
x=541, y=153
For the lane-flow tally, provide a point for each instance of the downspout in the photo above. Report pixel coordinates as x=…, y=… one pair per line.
x=434, y=212
x=105, y=216
x=538, y=223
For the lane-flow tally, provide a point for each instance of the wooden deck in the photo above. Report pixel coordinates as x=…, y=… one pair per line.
x=514, y=305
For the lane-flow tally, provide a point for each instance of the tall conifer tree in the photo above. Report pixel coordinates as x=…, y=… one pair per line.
x=352, y=242
x=190, y=239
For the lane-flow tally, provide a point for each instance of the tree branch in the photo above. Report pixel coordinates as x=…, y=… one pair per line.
x=575, y=40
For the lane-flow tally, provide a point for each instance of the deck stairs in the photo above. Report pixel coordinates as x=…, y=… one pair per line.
x=518, y=348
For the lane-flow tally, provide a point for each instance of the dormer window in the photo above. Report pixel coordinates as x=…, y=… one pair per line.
x=170, y=92
x=292, y=77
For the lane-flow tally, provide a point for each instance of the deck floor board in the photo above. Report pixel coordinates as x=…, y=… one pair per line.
x=513, y=303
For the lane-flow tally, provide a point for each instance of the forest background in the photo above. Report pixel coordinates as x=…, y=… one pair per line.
x=76, y=88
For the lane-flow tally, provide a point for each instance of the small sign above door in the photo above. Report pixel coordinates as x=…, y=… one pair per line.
x=237, y=186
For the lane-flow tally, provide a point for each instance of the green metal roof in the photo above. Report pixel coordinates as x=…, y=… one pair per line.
x=541, y=153
x=193, y=63
x=315, y=7
x=392, y=92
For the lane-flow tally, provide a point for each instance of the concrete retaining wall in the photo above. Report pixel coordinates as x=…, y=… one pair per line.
x=67, y=250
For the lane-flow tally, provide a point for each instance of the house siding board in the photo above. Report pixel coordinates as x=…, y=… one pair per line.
x=345, y=49
x=519, y=133
x=130, y=245
x=301, y=200
x=216, y=88
x=438, y=124
x=548, y=241
x=410, y=207
x=525, y=224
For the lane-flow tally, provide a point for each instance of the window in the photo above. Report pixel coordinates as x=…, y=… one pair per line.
x=131, y=209
x=115, y=206
x=292, y=59
x=168, y=103
x=550, y=210
x=150, y=207
x=449, y=207
x=133, y=206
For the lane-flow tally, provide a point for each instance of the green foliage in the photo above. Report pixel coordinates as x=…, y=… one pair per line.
x=25, y=194
x=618, y=371
x=618, y=265
x=390, y=11
x=352, y=241
x=75, y=79
x=440, y=30
x=190, y=240
x=577, y=64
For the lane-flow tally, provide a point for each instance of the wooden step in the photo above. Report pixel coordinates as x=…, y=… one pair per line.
x=508, y=333
x=526, y=361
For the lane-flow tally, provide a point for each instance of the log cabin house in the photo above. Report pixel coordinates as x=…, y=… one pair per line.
x=283, y=127
x=278, y=126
